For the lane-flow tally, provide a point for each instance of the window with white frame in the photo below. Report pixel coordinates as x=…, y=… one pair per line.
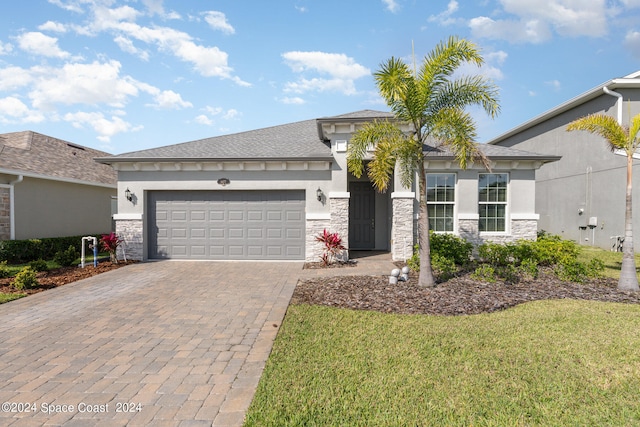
x=441, y=201
x=492, y=201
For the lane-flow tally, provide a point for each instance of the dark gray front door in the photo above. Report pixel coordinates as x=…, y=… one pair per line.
x=362, y=225
x=251, y=225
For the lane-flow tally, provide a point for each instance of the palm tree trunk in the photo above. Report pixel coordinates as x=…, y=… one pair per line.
x=425, y=278
x=628, y=276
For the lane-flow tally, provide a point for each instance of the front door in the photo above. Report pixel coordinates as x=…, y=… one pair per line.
x=362, y=224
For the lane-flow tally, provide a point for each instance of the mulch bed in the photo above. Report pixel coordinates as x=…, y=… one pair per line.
x=458, y=296
x=61, y=276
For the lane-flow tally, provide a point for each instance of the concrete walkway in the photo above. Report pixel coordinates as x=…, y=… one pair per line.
x=150, y=344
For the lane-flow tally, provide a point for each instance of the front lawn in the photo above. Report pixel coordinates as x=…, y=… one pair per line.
x=612, y=260
x=558, y=362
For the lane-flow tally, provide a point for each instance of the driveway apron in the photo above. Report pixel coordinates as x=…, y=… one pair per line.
x=159, y=343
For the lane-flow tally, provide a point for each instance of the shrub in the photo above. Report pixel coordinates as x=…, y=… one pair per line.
x=485, y=273
x=579, y=272
x=443, y=267
x=4, y=270
x=22, y=251
x=332, y=246
x=66, y=258
x=39, y=265
x=497, y=255
x=25, y=279
x=443, y=246
x=109, y=243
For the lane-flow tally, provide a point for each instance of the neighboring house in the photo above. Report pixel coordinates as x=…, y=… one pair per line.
x=582, y=196
x=267, y=193
x=52, y=188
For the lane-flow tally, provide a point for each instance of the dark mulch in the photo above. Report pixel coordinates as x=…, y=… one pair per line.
x=337, y=264
x=457, y=296
x=61, y=276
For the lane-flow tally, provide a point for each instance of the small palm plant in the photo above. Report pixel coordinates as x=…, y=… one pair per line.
x=624, y=138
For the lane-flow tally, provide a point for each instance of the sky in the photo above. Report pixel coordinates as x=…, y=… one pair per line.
x=127, y=75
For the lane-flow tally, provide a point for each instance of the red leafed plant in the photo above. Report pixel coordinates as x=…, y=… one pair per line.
x=109, y=242
x=332, y=246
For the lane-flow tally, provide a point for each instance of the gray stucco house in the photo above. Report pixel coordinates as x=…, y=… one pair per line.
x=52, y=188
x=266, y=194
x=582, y=196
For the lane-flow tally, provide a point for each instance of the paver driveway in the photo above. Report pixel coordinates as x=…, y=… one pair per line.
x=163, y=343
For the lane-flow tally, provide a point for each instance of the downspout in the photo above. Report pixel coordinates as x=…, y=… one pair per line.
x=12, y=205
x=619, y=101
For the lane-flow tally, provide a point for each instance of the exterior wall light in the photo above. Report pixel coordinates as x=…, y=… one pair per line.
x=224, y=181
x=128, y=195
x=319, y=194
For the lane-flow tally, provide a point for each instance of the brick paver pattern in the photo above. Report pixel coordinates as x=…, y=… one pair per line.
x=160, y=343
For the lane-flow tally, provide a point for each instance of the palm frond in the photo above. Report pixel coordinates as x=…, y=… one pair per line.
x=465, y=91
x=445, y=58
x=455, y=129
x=634, y=129
x=371, y=135
x=605, y=126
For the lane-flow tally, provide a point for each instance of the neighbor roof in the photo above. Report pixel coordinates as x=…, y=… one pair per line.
x=33, y=154
x=629, y=81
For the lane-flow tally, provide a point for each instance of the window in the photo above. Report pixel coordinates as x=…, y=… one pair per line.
x=441, y=201
x=492, y=200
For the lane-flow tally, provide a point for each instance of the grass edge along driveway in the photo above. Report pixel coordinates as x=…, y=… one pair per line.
x=559, y=362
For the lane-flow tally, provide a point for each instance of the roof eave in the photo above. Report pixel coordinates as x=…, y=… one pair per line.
x=568, y=105
x=111, y=160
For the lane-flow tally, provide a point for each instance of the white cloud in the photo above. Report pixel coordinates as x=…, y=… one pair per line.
x=106, y=128
x=342, y=71
x=90, y=84
x=5, y=48
x=12, y=78
x=392, y=5
x=127, y=46
x=55, y=27
x=532, y=21
x=632, y=43
x=40, y=44
x=13, y=110
x=169, y=100
x=214, y=111
x=203, y=120
x=296, y=100
x=231, y=114
x=445, y=18
x=218, y=21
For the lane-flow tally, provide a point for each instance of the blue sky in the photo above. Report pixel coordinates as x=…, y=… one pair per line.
x=124, y=75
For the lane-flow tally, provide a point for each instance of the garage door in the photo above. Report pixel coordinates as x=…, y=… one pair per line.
x=237, y=225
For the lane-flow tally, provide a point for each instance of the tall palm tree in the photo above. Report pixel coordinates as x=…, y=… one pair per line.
x=433, y=102
x=619, y=137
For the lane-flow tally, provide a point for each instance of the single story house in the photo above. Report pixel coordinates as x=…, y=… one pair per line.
x=52, y=188
x=267, y=193
x=582, y=196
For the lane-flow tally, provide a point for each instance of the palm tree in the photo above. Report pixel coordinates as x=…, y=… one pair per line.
x=432, y=101
x=619, y=137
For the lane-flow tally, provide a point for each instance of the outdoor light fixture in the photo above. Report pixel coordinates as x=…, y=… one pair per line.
x=128, y=195
x=319, y=194
x=224, y=181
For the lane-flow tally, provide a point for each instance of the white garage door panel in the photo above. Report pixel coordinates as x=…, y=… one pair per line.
x=226, y=225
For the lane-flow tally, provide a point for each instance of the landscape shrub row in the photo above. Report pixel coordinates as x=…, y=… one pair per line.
x=23, y=251
x=511, y=262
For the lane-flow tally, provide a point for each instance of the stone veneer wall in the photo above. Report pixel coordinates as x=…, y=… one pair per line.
x=313, y=248
x=402, y=228
x=5, y=214
x=339, y=209
x=520, y=229
x=131, y=231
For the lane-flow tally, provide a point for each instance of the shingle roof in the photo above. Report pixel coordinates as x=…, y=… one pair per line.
x=495, y=152
x=41, y=155
x=291, y=141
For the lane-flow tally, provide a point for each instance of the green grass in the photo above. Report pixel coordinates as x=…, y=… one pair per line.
x=10, y=297
x=612, y=260
x=542, y=363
